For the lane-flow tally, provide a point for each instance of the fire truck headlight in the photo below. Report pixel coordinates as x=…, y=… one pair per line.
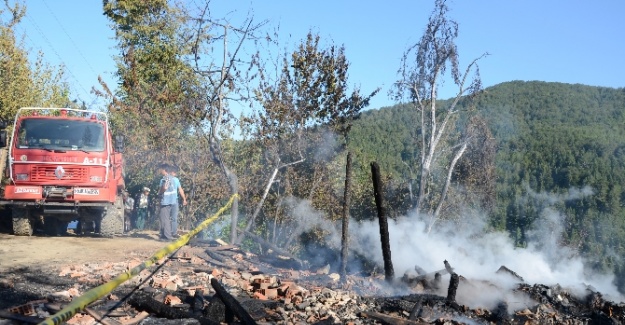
x=96, y=179
x=21, y=177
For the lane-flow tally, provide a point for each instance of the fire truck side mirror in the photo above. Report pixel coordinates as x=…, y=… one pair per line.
x=3, y=138
x=119, y=143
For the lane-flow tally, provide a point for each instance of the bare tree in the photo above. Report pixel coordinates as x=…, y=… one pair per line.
x=221, y=83
x=423, y=69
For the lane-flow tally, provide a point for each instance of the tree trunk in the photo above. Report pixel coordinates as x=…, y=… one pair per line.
x=259, y=205
x=450, y=172
x=233, y=182
x=346, y=204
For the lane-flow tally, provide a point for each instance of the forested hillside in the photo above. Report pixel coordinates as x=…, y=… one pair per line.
x=558, y=146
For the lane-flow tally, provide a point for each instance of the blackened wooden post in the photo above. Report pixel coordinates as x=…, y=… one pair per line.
x=345, y=232
x=453, y=286
x=453, y=283
x=384, y=236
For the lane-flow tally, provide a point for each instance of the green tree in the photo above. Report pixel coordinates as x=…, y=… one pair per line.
x=156, y=101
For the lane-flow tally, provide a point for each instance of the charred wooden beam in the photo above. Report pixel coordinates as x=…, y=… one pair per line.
x=225, y=252
x=210, y=260
x=223, y=248
x=504, y=269
x=232, y=305
x=384, y=236
x=202, y=242
x=215, y=256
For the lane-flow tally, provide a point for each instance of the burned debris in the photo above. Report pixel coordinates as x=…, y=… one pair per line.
x=209, y=283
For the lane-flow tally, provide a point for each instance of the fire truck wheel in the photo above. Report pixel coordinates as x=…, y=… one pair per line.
x=21, y=222
x=112, y=222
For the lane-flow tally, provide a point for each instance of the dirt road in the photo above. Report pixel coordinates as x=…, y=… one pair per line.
x=54, y=252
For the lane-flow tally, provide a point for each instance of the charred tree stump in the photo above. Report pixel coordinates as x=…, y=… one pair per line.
x=232, y=305
x=384, y=236
x=345, y=230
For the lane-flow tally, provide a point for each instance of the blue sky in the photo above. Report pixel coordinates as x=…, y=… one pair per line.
x=575, y=41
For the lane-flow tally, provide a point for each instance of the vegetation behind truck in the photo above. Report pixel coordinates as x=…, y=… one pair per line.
x=63, y=166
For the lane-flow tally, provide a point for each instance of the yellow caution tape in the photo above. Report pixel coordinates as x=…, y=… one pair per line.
x=96, y=293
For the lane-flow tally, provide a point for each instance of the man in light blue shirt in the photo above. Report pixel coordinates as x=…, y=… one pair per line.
x=169, y=198
x=173, y=172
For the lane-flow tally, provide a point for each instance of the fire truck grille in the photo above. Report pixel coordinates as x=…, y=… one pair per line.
x=52, y=173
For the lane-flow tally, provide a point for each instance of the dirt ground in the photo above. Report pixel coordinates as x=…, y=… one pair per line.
x=30, y=266
x=54, y=252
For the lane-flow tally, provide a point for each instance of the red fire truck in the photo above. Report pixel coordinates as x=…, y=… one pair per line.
x=63, y=165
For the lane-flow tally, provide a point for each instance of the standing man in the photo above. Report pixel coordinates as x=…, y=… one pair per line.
x=141, y=212
x=168, y=199
x=173, y=171
x=129, y=205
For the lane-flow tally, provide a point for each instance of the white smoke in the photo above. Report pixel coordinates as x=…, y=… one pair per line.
x=477, y=254
x=306, y=217
x=474, y=252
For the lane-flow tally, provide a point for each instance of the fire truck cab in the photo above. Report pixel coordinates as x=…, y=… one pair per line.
x=62, y=165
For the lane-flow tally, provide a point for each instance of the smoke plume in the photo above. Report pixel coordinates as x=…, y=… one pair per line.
x=474, y=252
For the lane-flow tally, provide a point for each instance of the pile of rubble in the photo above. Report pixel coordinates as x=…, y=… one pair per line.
x=207, y=283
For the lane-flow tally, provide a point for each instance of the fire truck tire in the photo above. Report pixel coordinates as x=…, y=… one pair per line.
x=112, y=222
x=22, y=225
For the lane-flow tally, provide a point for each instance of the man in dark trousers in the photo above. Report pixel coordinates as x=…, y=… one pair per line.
x=167, y=190
x=173, y=172
x=141, y=210
x=129, y=205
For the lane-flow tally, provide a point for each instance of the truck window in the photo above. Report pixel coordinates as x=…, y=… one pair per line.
x=51, y=134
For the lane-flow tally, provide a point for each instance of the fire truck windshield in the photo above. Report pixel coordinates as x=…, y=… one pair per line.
x=53, y=134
